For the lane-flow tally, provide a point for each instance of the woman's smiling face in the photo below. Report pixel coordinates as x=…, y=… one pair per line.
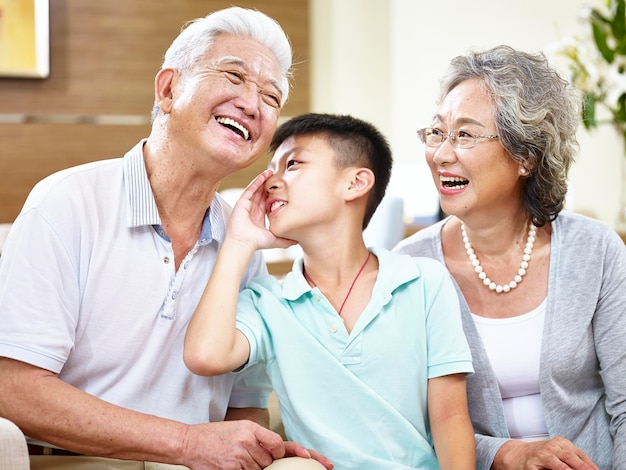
x=483, y=177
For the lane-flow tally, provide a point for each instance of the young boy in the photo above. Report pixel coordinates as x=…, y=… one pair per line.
x=364, y=348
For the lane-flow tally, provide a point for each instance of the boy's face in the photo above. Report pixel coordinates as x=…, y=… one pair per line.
x=307, y=189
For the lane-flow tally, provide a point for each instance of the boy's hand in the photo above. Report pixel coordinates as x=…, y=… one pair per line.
x=247, y=222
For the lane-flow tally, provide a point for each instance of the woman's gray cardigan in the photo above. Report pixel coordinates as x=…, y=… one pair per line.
x=583, y=352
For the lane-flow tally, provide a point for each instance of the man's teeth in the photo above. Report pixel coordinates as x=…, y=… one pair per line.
x=245, y=133
x=276, y=205
x=455, y=182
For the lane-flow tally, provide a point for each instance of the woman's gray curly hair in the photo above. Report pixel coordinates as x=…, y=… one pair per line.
x=536, y=116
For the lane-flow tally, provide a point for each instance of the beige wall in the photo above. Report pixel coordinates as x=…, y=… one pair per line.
x=381, y=59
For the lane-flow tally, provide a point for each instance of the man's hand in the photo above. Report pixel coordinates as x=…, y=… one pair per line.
x=231, y=445
x=556, y=454
x=239, y=445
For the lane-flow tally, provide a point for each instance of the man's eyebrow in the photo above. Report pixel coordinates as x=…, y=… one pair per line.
x=230, y=60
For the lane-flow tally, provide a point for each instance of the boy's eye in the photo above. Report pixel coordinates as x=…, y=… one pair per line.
x=291, y=163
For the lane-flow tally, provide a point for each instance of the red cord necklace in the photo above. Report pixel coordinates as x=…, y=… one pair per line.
x=312, y=282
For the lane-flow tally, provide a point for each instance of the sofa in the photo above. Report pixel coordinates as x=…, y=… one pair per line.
x=13, y=450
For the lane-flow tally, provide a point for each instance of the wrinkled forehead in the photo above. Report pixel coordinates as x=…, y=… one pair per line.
x=467, y=103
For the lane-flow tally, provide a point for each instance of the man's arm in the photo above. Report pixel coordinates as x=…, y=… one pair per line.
x=48, y=409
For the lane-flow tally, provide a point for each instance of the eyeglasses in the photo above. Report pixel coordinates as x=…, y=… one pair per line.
x=458, y=138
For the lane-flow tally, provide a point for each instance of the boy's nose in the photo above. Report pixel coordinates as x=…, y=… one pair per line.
x=271, y=183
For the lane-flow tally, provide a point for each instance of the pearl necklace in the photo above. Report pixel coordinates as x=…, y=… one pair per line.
x=521, y=272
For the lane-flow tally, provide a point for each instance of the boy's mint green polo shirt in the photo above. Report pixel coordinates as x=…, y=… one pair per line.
x=359, y=398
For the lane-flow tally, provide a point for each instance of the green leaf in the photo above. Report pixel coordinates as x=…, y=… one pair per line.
x=620, y=48
x=589, y=111
x=597, y=26
x=619, y=115
x=597, y=17
x=618, y=25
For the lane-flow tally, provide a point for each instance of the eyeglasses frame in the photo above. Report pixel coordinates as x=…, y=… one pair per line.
x=451, y=137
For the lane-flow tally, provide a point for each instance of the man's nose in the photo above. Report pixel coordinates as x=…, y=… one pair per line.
x=249, y=98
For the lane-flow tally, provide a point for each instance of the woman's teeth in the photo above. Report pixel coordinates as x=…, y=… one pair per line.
x=455, y=182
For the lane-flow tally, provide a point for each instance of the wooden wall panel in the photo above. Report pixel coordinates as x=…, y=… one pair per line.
x=31, y=152
x=104, y=54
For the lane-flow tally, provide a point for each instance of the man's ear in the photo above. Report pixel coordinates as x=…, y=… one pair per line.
x=163, y=85
x=361, y=183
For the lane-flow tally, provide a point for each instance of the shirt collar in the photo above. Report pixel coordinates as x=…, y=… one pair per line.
x=393, y=271
x=142, y=209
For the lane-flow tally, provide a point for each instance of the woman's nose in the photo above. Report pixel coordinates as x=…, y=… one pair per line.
x=445, y=153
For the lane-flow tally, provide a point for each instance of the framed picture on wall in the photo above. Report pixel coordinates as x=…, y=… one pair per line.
x=24, y=38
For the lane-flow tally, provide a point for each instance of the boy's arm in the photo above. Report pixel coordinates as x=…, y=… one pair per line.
x=453, y=435
x=213, y=345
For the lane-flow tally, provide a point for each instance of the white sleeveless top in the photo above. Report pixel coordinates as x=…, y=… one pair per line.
x=513, y=346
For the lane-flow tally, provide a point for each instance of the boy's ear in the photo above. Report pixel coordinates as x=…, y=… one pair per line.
x=163, y=88
x=361, y=183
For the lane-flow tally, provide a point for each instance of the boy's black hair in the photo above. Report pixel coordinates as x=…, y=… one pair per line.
x=355, y=142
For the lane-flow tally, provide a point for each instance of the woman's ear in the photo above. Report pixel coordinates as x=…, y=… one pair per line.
x=163, y=85
x=361, y=183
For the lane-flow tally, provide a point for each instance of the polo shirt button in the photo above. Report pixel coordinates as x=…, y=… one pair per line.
x=166, y=260
x=316, y=297
x=333, y=328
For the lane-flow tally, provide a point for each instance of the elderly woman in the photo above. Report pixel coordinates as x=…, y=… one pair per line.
x=543, y=291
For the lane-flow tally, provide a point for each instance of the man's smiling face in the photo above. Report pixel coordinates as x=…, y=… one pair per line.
x=228, y=104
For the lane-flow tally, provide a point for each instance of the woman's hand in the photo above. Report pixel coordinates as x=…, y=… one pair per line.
x=247, y=222
x=556, y=454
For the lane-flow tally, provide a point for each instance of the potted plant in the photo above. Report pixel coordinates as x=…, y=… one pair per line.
x=596, y=58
